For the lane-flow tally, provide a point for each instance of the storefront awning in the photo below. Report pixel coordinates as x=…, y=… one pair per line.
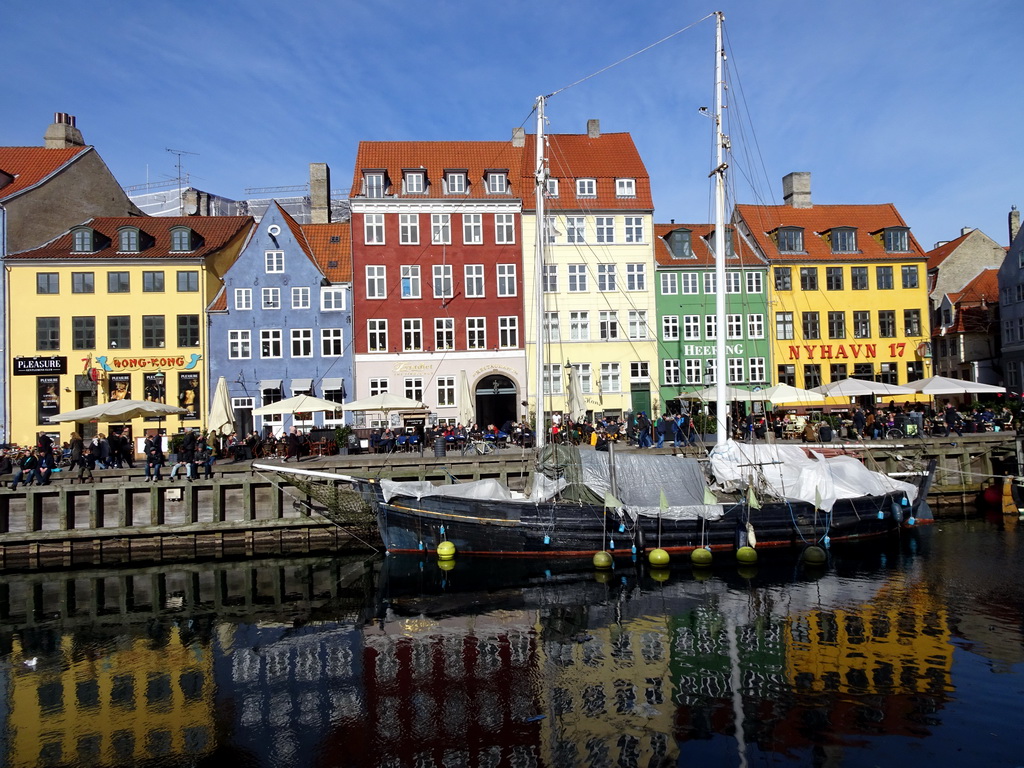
x=269, y=384
x=332, y=385
x=302, y=385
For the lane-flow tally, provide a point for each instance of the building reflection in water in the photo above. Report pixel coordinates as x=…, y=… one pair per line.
x=322, y=662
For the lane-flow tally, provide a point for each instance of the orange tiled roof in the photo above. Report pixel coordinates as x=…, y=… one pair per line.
x=220, y=301
x=968, y=320
x=214, y=232
x=332, y=249
x=703, y=254
x=32, y=165
x=435, y=157
x=573, y=156
x=984, y=287
x=296, y=230
x=762, y=220
x=938, y=255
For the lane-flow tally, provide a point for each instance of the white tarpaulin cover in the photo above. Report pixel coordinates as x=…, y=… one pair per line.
x=485, y=490
x=641, y=477
x=787, y=472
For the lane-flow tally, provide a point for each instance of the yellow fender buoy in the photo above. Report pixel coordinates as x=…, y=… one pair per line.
x=746, y=555
x=660, y=574
x=701, y=557
x=446, y=565
x=815, y=556
x=602, y=560
x=658, y=558
x=446, y=550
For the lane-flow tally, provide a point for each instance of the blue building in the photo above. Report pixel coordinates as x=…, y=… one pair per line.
x=281, y=325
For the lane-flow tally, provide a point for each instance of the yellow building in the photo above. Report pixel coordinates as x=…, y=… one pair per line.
x=114, y=309
x=599, y=297
x=141, y=701
x=849, y=292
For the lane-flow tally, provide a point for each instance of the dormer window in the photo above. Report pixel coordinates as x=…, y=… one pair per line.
x=552, y=187
x=791, y=239
x=455, y=181
x=729, y=252
x=679, y=243
x=586, y=188
x=497, y=182
x=844, y=240
x=373, y=183
x=415, y=182
x=897, y=239
x=625, y=187
x=181, y=239
x=128, y=240
x=84, y=240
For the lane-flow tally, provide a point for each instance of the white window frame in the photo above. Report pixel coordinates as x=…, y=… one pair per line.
x=275, y=338
x=239, y=345
x=638, y=324
x=691, y=327
x=300, y=297
x=442, y=281
x=472, y=228
x=669, y=283
x=552, y=379
x=577, y=278
x=373, y=228
x=474, y=277
x=604, y=229
x=734, y=326
x=694, y=368
x=608, y=325
x=497, y=183
x=710, y=327
x=414, y=387
x=508, y=332
x=670, y=327
x=243, y=299
x=689, y=283
x=332, y=342
x=332, y=299
x=710, y=283
x=378, y=386
x=576, y=229
x=476, y=333
x=625, y=187
x=444, y=333
x=273, y=262
x=551, y=331
x=505, y=228
x=755, y=282
x=636, y=277
x=415, y=182
x=606, y=278
x=634, y=229
x=302, y=340
x=733, y=282
x=552, y=188
x=411, y=283
x=671, y=373
x=445, y=389
x=377, y=334
x=508, y=280
x=737, y=370
x=409, y=229
x=579, y=325
x=549, y=277
x=455, y=183
x=758, y=370
x=586, y=187
x=412, y=334
x=440, y=229
x=755, y=326
x=376, y=281
x=611, y=378
x=270, y=298
x=373, y=185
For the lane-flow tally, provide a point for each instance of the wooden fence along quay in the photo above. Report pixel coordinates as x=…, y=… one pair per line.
x=241, y=513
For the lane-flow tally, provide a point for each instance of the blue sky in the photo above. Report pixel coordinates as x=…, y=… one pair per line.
x=912, y=103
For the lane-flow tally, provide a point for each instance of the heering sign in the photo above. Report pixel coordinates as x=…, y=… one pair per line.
x=36, y=366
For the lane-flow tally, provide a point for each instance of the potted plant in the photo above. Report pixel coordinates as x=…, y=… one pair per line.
x=174, y=446
x=342, y=435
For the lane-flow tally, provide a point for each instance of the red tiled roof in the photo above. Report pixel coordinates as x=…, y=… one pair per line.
x=332, y=249
x=703, y=254
x=984, y=287
x=938, y=255
x=215, y=232
x=31, y=165
x=605, y=158
x=435, y=157
x=296, y=230
x=220, y=301
x=817, y=220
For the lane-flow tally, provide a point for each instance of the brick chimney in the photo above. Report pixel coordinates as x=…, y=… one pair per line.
x=62, y=133
x=1014, y=220
x=593, y=128
x=519, y=137
x=796, y=189
x=320, y=193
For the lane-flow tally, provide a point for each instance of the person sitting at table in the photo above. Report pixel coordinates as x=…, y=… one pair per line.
x=387, y=440
x=375, y=441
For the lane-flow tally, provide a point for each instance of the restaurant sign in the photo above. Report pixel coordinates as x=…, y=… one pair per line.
x=40, y=366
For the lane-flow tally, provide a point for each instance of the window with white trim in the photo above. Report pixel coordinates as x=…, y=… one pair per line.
x=579, y=325
x=332, y=342
x=373, y=183
x=508, y=332
x=552, y=379
x=577, y=278
x=634, y=229
x=736, y=370
x=476, y=333
x=586, y=188
x=271, y=343
x=497, y=183
x=610, y=378
x=552, y=188
x=410, y=281
x=638, y=324
x=694, y=371
x=550, y=329
x=710, y=327
x=669, y=283
x=332, y=299
x=274, y=261
x=455, y=182
x=271, y=298
x=373, y=228
x=711, y=370
x=734, y=326
x=243, y=299
x=375, y=282
x=409, y=228
x=755, y=282
x=755, y=326
x=445, y=390
x=444, y=333
x=414, y=387
x=636, y=277
x=302, y=342
x=670, y=372
x=412, y=334
x=550, y=229
x=239, y=345
x=604, y=227
x=710, y=281
x=639, y=371
x=300, y=297
x=691, y=327
x=504, y=228
x=670, y=327
x=733, y=282
x=625, y=187
x=443, y=281
x=441, y=229
x=606, y=277
x=575, y=229
x=689, y=283
x=585, y=378
x=474, y=281
x=379, y=387
x=377, y=335
x=507, y=280
x=415, y=182
x=472, y=228
x=608, y=323
x=549, y=275
x=758, y=370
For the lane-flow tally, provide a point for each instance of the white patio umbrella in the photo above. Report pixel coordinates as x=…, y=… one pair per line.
x=119, y=411
x=943, y=385
x=786, y=393
x=298, y=404
x=861, y=388
x=220, y=419
x=733, y=394
x=384, y=402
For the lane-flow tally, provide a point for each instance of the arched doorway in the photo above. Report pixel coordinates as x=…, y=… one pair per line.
x=496, y=401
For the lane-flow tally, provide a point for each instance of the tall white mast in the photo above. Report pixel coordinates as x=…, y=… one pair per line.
x=723, y=406
x=540, y=186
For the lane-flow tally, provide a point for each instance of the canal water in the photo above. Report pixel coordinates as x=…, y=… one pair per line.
x=908, y=656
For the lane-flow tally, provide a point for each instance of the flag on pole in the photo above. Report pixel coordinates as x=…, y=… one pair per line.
x=752, y=499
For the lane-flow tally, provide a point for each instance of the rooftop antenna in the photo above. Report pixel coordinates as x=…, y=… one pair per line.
x=179, y=153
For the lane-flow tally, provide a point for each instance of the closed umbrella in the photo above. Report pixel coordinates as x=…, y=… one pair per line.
x=220, y=420
x=576, y=405
x=467, y=406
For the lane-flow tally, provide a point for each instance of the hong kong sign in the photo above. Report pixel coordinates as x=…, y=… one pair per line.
x=38, y=366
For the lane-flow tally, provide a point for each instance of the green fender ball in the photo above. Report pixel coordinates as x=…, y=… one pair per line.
x=446, y=550
x=701, y=557
x=658, y=558
x=746, y=555
x=602, y=560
